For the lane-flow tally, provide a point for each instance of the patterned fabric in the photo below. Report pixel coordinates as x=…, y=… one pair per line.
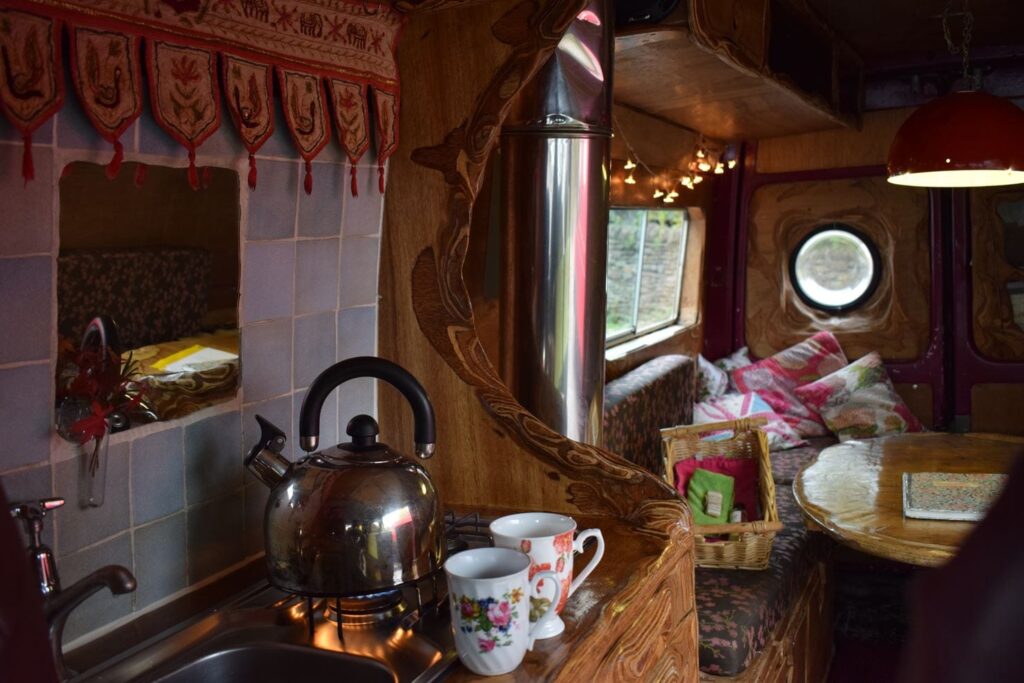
x=738, y=359
x=735, y=406
x=712, y=381
x=351, y=116
x=737, y=610
x=152, y=295
x=859, y=401
x=656, y=395
x=387, y=129
x=305, y=110
x=787, y=464
x=248, y=89
x=776, y=377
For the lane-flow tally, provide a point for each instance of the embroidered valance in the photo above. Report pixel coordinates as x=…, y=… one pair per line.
x=316, y=51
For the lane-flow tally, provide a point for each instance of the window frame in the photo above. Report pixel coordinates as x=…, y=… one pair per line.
x=637, y=332
x=876, y=268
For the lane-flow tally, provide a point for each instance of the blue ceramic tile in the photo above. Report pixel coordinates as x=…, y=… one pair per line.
x=216, y=538
x=27, y=409
x=357, y=332
x=78, y=527
x=320, y=211
x=153, y=139
x=266, y=360
x=213, y=457
x=75, y=131
x=278, y=411
x=364, y=213
x=358, y=271
x=27, y=228
x=316, y=276
x=280, y=143
x=255, y=509
x=356, y=398
x=40, y=136
x=329, y=435
x=102, y=608
x=224, y=143
x=269, y=281
x=30, y=485
x=272, y=203
x=158, y=476
x=160, y=559
x=26, y=293
x=315, y=347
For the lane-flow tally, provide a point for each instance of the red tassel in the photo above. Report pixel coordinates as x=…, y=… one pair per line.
x=308, y=183
x=114, y=167
x=207, y=176
x=28, y=169
x=380, y=178
x=355, y=185
x=252, y=171
x=193, y=174
x=141, y=173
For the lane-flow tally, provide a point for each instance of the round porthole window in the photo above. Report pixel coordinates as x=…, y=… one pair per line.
x=835, y=268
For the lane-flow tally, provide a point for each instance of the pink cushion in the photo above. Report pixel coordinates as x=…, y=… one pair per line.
x=735, y=406
x=776, y=378
x=742, y=470
x=859, y=401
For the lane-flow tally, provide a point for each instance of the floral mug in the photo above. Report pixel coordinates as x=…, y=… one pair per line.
x=548, y=539
x=488, y=589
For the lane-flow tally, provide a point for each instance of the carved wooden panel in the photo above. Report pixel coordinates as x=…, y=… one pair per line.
x=894, y=321
x=920, y=400
x=997, y=408
x=996, y=335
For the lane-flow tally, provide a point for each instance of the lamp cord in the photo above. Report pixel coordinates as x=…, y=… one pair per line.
x=964, y=48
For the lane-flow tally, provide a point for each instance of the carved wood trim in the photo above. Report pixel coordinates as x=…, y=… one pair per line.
x=995, y=333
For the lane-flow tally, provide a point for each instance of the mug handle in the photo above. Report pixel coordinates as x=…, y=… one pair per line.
x=577, y=547
x=549, y=614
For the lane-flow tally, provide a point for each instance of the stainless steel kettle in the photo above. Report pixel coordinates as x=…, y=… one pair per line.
x=357, y=518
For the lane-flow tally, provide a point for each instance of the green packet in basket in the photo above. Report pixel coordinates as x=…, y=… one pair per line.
x=700, y=484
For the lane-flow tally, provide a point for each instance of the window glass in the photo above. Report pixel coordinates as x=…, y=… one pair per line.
x=835, y=268
x=646, y=248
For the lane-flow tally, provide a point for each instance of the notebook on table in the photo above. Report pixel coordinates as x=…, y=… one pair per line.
x=954, y=496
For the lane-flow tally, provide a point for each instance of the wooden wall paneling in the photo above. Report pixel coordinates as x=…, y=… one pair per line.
x=838, y=148
x=997, y=408
x=996, y=335
x=895, y=321
x=920, y=400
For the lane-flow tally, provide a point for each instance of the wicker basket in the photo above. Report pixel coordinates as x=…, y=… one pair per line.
x=749, y=544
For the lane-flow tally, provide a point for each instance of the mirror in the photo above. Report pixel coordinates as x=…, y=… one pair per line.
x=162, y=261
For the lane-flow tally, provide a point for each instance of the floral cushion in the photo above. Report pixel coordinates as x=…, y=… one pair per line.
x=712, y=381
x=859, y=401
x=775, y=379
x=738, y=359
x=639, y=404
x=735, y=406
x=738, y=609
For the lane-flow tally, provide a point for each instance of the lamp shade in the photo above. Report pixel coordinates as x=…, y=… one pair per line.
x=964, y=139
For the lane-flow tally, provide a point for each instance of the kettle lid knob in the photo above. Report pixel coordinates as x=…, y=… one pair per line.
x=364, y=430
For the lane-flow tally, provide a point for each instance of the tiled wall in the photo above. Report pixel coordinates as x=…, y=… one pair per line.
x=179, y=506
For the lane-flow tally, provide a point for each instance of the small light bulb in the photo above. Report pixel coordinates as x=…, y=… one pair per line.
x=630, y=180
x=629, y=165
x=698, y=179
x=704, y=166
x=687, y=182
x=658, y=193
x=672, y=195
x=719, y=168
x=731, y=163
x=701, y=153
x=668, y=199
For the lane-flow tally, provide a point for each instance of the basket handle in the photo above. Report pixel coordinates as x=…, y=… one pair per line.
x=760, y=526
x=745, y=424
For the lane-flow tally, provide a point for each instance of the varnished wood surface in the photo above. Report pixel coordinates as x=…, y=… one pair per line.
x=630, y=607
x=997, y=408
x=854, y=491
x=895, y=321
x=996, y=334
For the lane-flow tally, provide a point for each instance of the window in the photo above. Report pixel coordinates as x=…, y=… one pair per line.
x=835, y=268
x=646, y=252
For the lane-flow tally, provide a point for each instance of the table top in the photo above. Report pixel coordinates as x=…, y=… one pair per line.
x=854, y=490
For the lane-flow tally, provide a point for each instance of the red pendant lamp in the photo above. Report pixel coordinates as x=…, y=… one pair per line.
x=965, y=139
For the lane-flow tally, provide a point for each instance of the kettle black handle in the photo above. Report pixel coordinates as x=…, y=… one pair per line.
x=367, y=366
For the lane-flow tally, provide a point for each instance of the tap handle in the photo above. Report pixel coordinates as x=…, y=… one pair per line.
x=32, y=515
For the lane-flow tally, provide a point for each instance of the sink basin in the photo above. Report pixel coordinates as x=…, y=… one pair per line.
x=272, y=663
x=268, y=635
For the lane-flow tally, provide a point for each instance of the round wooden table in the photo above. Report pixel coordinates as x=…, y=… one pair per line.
x=854, y=490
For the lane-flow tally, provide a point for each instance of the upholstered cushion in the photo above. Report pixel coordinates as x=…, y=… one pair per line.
x=736, y=406
x=775, y=378
x=859, y=401
x=656, y=395
x=712, y=381
x=739, y=358
x=737, y=610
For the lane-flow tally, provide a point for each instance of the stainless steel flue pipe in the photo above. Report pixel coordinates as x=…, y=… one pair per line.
x=555, y=162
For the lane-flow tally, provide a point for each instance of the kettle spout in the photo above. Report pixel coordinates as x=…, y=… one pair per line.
x=265, y=459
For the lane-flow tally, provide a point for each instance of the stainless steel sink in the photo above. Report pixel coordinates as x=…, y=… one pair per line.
x=268, y=635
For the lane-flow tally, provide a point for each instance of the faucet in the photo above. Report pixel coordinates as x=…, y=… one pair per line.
x=59, y=603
